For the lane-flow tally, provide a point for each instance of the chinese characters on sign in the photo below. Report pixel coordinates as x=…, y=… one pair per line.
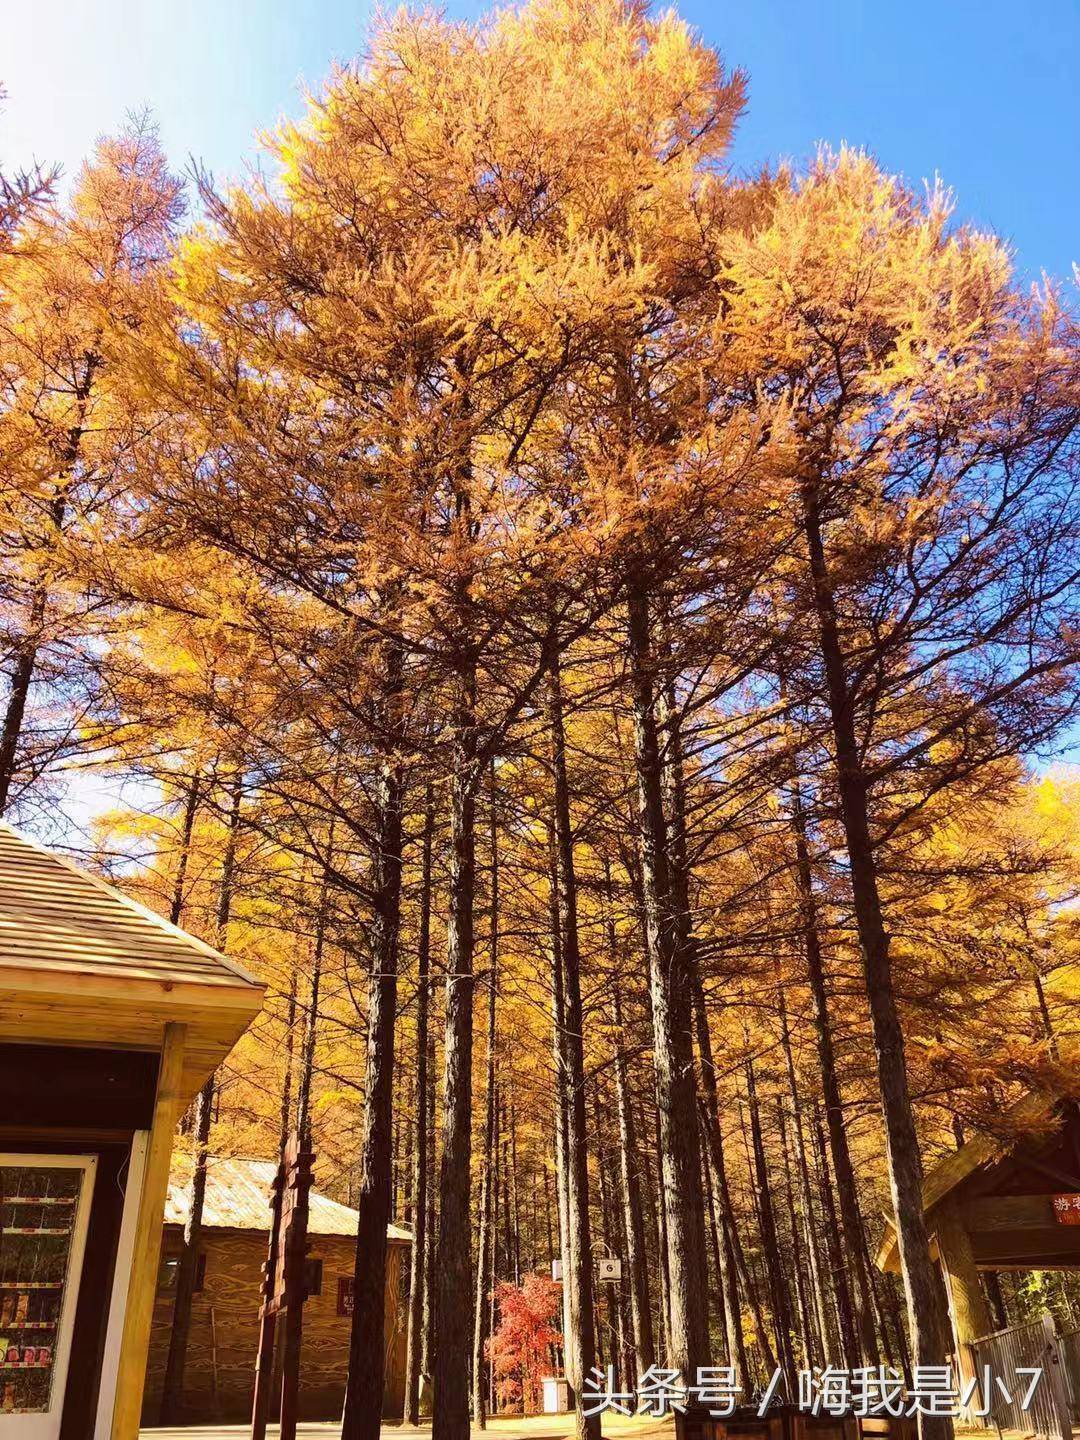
x=1067, y=1209
x=865, y=1391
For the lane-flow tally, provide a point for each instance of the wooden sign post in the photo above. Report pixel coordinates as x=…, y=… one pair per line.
x=284, y=1290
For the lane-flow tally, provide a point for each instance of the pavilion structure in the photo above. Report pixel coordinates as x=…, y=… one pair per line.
x=996, y=1205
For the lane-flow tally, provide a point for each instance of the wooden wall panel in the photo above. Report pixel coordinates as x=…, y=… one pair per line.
x=225, y=1326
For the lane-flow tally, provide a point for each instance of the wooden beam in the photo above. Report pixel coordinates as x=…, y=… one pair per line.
x=968, y=1310
x=130, y=1016
x=1064, y=1178
x=1009, y=1212
x=142, y=1285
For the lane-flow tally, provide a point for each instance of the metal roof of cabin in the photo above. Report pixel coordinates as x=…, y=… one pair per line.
x=238, y=1198
x=56, y=916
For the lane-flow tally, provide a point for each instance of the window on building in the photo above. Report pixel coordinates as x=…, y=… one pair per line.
x=313, y=1276
x=169, y=1268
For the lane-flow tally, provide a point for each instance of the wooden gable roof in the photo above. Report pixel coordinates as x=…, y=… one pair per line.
x=53, y=915
x=975, y=1163
x=83, y=964
x=238, y=1198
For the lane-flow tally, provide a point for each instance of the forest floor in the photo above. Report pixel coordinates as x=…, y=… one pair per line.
x=536, y=1427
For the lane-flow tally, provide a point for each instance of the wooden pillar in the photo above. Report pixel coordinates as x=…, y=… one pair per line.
x=146, y=1253
x=968, y=1311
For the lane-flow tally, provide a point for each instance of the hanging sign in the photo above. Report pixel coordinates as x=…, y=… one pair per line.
x=1067, y=1209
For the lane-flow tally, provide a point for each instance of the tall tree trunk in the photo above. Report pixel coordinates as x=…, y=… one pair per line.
x=680, y=1160
x=636, y=1258
x=192, y=796
x=23, y=674
x=679, y=876
x=493, y=1249
x=992, y=1284
x=770, y=1244
x=486, y=1243
x=855, y=1307
x=515, y=1198
x=311, y=1024
x=662, y=1250
x=417, y=1272
x=285, y=1111
x=902, y=1142
x=367, y=1347
x=21, y=677
x=572, y=1054
x=427, y=1327
x=833, y=1244
x=172, y=1390
x=453, y=1290
x=614, y=1351
x=727, y=1238
x=809, y=1336
x=561, y=1148
x=817, y=1268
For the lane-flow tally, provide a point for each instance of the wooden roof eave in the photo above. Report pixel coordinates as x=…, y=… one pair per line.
x=949, y=1173
x=63, y=1005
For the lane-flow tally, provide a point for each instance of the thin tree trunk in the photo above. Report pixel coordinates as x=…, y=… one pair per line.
x=902, y=1142
x=680, y=1160
x=18, y=695
x=285, y=1113
x=992, y=1284
x=311, y=1025
x=453, y=1290
x=633, y=1221
x=23, y=674
x=562, y=1188
x=192, y=797
x=679, y=877
x=809, y=1337
x=714, y=1158
x=613, y=1352
x=367, y=1346
x=427, y=1326
x=572, y=1052
x=486, y=1243
x=805, y=1187
x=833, y=1245
x=548, y=1227
x=515, y=1199
x=855, y=1307
x=719, y=1260
x=417, y=1273
x=778, y=1290
x=172, y=1390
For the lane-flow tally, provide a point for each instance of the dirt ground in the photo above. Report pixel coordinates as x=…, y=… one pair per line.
x=537, y=1427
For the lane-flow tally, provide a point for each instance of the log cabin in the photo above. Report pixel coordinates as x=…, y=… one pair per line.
x=111, y=1019
x=225, y=1311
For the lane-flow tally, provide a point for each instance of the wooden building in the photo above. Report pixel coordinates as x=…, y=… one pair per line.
x=1001, y=1205
x=225, y=1311
x=111, y=1019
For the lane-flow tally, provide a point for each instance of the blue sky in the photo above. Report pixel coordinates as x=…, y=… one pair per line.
x=983, y=94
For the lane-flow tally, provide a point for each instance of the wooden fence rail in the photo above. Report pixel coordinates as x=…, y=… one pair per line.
x=1001, y=1355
